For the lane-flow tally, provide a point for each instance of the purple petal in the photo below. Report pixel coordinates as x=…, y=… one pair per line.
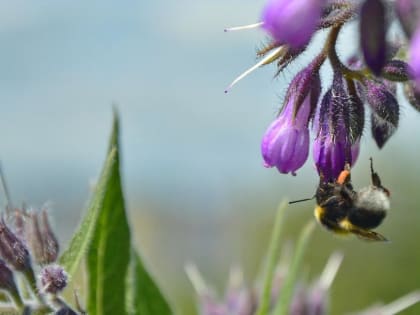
x=292, y=22
x=414, y=52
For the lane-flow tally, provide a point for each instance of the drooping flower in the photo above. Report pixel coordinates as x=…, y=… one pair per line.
x=385, y=111
x=286, y=141
x=373, y=33
x=291, y=22
x=285, y=144
x=338, y=126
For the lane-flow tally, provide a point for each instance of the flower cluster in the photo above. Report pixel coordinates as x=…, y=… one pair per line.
x=365, y=82
x=28, y=246
x=308, y=298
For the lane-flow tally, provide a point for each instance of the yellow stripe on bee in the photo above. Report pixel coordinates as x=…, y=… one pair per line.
x=319, y=212
x=346, y=225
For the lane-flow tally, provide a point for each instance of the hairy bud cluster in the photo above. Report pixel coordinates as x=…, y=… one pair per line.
x=367, y=83
x=28, y=245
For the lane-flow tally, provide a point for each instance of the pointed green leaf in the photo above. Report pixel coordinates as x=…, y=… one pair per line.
x=79, y=244
x=109, y=254
x=143, y=296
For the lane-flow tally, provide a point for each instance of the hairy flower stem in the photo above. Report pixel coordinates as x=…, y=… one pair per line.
x=329, y=49
x=30, y=277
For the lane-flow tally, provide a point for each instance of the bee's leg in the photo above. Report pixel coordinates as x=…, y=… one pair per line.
x=368, y=235
x=376, y=180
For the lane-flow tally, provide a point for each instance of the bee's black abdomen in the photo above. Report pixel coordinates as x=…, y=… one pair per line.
x=367, y=219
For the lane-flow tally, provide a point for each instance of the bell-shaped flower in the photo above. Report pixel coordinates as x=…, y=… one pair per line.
x=291, y=22
x=285, y=144
x=333, y=146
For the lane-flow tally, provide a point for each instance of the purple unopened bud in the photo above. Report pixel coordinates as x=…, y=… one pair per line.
x=53, y=279
x=408, y=12
x=43, y=243
x=298, y=305
x=396, y=70
x=317, y=301
x=372, y=34
x=385, y=111
x=7, y=280
x=13, y=250
x=65, y=311
x=292, y=22
x=414, y=57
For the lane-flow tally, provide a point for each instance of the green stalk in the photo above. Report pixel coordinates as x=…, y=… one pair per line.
x=272, y=257
x=286, y=293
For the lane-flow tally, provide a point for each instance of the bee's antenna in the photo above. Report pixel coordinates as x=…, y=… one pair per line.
x=301, y=200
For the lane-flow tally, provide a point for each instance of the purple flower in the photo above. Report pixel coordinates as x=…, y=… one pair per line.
x=291, y=22
x=333, y=147
x=285, y=144
x=331, y=155
x=414, y=61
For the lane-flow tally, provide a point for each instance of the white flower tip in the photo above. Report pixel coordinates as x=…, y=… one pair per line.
x=260, y=63
x=330, y=270
x=236, y=277
x=401, y=304
x=195, y=277
x=243, y=27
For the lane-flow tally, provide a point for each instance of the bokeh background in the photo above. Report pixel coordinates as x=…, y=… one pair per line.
x=194, y=182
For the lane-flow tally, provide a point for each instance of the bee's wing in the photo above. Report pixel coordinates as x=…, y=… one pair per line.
x=368, y=235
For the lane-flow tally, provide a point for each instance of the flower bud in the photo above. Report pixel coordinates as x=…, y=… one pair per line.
x=53, y=279
x=292, y=22
x=43, y=243
x=7, y=280
x=13, y=250
x=385, y=111
x=408, y=12
x=65, y=311
x=372, y=34
x=396, y=70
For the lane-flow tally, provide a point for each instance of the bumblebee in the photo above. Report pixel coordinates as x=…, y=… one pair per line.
x=342, y=210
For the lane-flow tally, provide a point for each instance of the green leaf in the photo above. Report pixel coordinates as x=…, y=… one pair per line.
x=143, y=296
x=272, y=257
x=109, y=253
x=285, y=299
x=79, y=244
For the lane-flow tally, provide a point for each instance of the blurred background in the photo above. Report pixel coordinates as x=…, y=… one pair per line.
x=194, y=182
